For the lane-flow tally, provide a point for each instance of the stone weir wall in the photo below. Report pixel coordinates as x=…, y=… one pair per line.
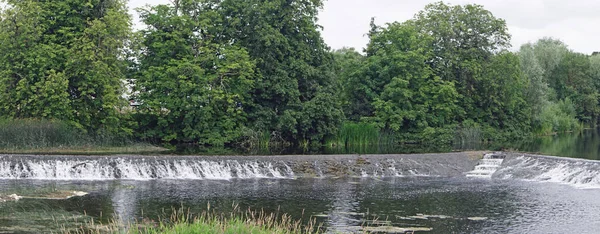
x=135, y=167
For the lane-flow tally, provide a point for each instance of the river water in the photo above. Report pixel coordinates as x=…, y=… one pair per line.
x=526, y=194
x=447, y=205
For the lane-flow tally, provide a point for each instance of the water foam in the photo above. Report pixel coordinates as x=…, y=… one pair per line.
x=487, y=166
x=40, y=167
x=578, y=173
x=140, y=169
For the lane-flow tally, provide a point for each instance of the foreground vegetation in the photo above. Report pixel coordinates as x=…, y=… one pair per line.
x=258, y=74
x=180, y=222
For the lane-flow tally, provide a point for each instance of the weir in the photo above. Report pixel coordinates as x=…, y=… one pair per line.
x=503, y=166
x=230, y=167
x=487, y=166
x=579, y=173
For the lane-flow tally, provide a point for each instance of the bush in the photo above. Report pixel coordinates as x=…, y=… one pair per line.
x=558, y=117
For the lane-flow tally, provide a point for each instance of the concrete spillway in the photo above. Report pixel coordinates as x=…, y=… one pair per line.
x=230, y=167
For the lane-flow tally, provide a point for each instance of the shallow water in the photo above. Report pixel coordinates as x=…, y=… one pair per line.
x=344, y=204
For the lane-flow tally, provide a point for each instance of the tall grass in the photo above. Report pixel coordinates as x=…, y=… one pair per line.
x=252, y=140
x=354, y=134
x=183, y=222
x=33, y=134
x=469, y=133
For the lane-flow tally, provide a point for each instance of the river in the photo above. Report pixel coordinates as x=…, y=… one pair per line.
x=524, y=194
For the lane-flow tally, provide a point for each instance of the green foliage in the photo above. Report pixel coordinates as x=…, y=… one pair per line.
x=294, y=66
x=64, y=60
x=42, y=134
x=503, y=106
x=183, y=221
x=351, y=134
x=412, y=97
x=348, y=64
x=465, y=38
x=558, y=117
x=549, y=53
x=469, y=132
x=257, y=73
x=191, y=88
x=537, y=90
x=571, y=79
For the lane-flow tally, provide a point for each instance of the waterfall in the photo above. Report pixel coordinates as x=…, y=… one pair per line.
x=579, y=173
x=487, y=166
x=139, y=169
x=45, y=167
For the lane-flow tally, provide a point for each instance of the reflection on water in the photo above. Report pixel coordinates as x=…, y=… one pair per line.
x=447, y=205
x=585, y=144
x=576, y=145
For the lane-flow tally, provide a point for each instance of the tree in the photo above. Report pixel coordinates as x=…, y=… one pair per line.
x=293, y=63
x=192, y=87
x=464, y=39
x=64, y=60
x=571, y=79
x=348, y=62
x=595, y=69
x=503, y=106
x=537, y=89
x=549, y=53
x=407, y=95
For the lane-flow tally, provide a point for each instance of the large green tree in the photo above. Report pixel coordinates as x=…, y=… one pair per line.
x=192, y=87
x=348, y=62
x=64, y=60
x=571, y=79
x=465, y=38
x=537, y=87
x=549, y=52
x=406, y=94
x=295, y=68
x=504, y=105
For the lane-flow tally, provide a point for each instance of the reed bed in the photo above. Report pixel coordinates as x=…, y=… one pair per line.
x=54, y=136
x=36, y=133
x=352, y=134
x=183, y=222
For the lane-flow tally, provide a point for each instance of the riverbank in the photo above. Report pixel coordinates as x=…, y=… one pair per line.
x=89, y=150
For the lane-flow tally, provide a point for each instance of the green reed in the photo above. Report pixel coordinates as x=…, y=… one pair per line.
x=353, y=134
x=32, y=134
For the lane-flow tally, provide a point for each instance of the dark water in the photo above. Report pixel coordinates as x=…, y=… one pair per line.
x=448, y=205
x=584, y=144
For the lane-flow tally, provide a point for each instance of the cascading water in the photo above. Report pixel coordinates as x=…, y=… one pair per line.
x=139, y=169
x=487, y=166
x=40, y=167
x=579, y=173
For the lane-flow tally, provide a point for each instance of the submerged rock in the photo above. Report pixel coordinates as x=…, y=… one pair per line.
x=392, y=229
x=477, y=218
x=55, y=195
x=12, y=197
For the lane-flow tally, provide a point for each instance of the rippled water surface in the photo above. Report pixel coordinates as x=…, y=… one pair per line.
x=448, y=205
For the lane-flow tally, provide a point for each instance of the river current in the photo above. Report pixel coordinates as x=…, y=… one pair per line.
x=526, y=194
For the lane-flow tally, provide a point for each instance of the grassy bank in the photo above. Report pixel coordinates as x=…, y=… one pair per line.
x=37, y=136
x=184, y=222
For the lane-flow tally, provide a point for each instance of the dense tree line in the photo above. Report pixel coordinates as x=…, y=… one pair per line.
x=217, y=72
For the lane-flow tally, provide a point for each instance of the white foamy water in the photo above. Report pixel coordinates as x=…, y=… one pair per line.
x=140, y=169
x=487, y=166
x=575, y=172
